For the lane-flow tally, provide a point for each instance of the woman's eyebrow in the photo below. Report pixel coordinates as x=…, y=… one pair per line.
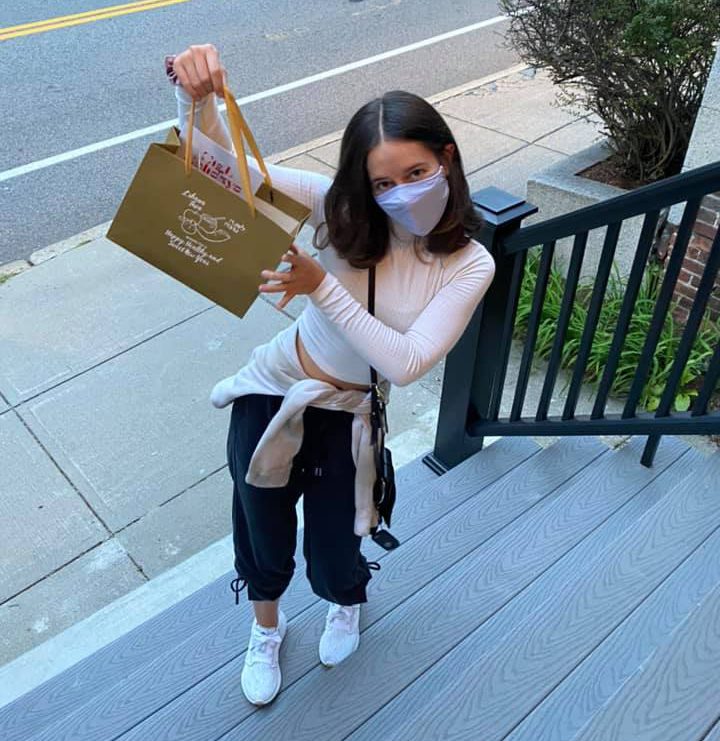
x=417, y=165
x=409, y=169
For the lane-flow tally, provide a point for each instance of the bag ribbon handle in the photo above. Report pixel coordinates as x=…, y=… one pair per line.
x=239, y=133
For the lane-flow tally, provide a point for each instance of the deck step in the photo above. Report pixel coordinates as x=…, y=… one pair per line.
x=675, y=694
x=491, y=551
x=528, y=663
x=583, y=693
x=106, y=667
x=571, y=567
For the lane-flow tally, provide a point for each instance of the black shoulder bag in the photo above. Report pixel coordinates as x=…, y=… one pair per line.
x=384, y=492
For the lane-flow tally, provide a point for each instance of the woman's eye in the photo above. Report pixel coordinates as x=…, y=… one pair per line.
x=380, y=187
x=417, y=173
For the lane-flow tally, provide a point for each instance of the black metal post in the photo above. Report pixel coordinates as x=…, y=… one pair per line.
x=473, y=368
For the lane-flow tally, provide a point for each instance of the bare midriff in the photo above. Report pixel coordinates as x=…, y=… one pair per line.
x=312, y=369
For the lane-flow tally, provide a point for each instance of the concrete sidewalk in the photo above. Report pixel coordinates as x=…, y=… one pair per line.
x=113, y=460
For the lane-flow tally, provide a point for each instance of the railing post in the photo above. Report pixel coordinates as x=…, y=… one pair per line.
x=469, y=380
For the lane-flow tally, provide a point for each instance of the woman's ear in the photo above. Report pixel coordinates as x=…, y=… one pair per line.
x=448, y=155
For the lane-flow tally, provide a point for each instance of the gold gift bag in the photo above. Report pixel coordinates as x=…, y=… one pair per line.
x=181, y=221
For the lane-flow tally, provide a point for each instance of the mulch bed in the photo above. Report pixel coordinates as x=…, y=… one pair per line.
x=609, y=172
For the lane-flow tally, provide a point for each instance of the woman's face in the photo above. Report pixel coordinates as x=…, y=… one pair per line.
x=395, y=162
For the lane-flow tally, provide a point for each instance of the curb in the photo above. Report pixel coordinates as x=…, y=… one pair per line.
x=113, y=621
x=40, y=256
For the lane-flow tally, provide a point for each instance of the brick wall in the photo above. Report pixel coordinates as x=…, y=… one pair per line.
x=695, y=260
x=704, y=148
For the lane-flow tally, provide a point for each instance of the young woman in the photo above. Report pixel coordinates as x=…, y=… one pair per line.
x=299, y=420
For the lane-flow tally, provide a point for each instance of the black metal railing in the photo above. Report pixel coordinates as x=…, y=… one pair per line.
x=476, y=369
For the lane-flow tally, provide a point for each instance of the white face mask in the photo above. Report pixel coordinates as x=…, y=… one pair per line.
x=417, y=206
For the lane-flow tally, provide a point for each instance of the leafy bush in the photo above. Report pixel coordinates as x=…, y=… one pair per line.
x=640, y=65
x=632, y=348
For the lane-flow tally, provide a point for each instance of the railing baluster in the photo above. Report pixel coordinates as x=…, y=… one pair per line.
x=590, y=327
x=507, y=332
x=578, y=252
x=692, y=325
x=661, y=306
x=687, y=340
x=539, y=293
x=626, y=311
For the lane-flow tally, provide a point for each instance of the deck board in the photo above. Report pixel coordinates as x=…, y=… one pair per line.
x=586, y=690
x=570, y=567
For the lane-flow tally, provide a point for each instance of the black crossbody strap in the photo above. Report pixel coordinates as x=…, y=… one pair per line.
x=371, y=310
x=384, y=490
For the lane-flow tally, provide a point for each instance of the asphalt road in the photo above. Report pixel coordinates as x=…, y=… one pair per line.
x=75, y=86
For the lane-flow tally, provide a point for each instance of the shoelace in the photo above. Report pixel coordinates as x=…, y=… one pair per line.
x=342, y=615
x=237, y=585
x=262, y=646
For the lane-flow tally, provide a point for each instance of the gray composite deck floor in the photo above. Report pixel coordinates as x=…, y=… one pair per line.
x=555, y=593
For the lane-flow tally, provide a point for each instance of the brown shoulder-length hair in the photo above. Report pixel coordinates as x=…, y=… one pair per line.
x=355, y=225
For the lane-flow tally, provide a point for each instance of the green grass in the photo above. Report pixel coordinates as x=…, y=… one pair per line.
x=632, y=347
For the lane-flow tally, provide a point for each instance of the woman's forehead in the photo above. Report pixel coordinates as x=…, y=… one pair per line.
x=393, y=156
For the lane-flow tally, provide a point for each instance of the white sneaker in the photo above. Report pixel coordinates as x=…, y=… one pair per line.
x=342, y=634
x=261, y=677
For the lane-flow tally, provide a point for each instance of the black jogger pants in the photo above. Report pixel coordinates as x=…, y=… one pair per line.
x=265, y=519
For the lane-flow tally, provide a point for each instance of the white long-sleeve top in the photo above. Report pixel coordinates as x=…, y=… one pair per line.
x=422, y=303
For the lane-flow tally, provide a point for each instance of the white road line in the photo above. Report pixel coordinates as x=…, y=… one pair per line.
x=164, y=125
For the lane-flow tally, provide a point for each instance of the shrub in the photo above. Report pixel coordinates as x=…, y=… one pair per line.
x=639, y=65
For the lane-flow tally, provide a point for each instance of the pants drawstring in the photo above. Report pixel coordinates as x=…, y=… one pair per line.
x=237, y=587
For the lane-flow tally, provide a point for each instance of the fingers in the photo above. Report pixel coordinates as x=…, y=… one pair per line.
x=293, y=255
x=289, y=258
x=187, y=76
x=216, y=70
x=183, y=77
x=199, y=70
x=280, y=275
x=274, y=288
